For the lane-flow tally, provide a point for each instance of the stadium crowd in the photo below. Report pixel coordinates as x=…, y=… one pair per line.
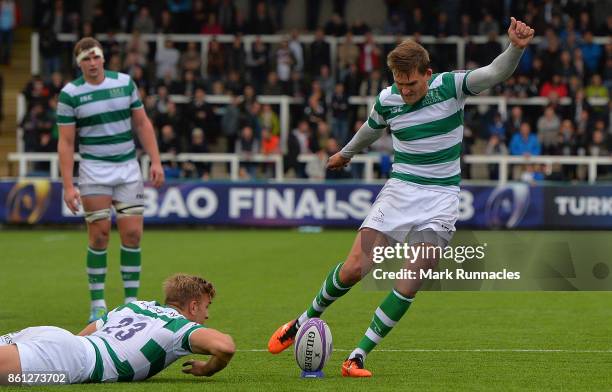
x=565, y=63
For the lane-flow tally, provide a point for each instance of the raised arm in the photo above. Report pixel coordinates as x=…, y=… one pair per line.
x=209, y=342
x=503, y=65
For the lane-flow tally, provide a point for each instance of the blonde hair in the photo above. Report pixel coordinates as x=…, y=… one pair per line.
x=407, y=58
x=182, y=288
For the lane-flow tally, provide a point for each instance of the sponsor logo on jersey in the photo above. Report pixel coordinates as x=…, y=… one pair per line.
x=86, y=98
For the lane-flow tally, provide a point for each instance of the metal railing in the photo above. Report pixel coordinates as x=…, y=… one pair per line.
x=369, y=160
x=284, y=101
x=204, y=40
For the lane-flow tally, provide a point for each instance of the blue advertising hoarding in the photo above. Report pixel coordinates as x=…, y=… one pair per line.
x=514, y=205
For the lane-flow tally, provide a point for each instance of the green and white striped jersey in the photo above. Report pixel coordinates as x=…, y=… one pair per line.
x=426, y=135
x=138, y=340
x=102, y=115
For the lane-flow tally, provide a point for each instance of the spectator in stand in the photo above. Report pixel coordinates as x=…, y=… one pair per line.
x=467, y=27
x=236, y=56
x=417, y=24
x=297, y=89
x=55, y=84
x=598, y=147
x=360, y=27
x=564, y=67
x=261, y=22
x=215, y=67
x=352, y=80
x=8, y=21
x=139, y=47
x=297, y=51
x=49, y=48
x=369, y=56
x=198, y=145
x=226, y=13
x=548, y=128
x=34, y=124
x=270, y=144
x=187, y=84
x=525, y=143
x=315, y=111
x=169, y=144
x=258, y=64
x=321, y=136
x=269, y=120
x=191, y=60
x=167, y=59
x=579, y=104
x=497, y=127
x=488, y=25
x=284, y=63
x=326, y=81
x=246, y=146
x=371, y=86
x=299, y=143
x=442, y=27
x=591, y=52
x=513, y=124
x=495, y=146
x=36, y=92
x=168, y=141
x=272, y=86
x=319, y=53
x=143, y=22
x=340, y=112
x=348, y=53
x=212, y=26
x=165, y=25
x=335, y=26
x=173, y=117
x=555, y=86
x=230, y=122
x=395, y=24
x=596, y=89
x=200, y=113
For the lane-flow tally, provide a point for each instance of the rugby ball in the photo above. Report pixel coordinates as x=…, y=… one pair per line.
x=313, y=345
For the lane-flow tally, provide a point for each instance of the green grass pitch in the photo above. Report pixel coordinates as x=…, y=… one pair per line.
x=447, y=341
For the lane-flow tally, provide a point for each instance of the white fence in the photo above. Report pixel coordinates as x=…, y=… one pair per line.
x=369, y=160
x=284, y=101
x=248, y=40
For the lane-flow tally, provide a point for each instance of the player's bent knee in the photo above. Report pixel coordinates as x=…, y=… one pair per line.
x=94, y=216
x=128, y=209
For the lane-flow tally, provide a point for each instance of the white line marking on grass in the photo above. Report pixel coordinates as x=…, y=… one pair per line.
x=473, y=350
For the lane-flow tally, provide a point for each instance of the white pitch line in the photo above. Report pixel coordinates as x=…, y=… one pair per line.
x=474, y=350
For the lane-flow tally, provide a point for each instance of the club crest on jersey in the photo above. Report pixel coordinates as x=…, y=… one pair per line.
x=116, y=92
x=433, y=96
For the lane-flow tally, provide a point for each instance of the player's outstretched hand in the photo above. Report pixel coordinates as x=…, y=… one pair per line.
x=519, y=33
x=198, y=368
x=157, y=175
x=337, y=162
x=72, y=198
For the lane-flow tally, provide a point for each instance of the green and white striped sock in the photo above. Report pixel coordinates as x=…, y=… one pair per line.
x=331, y=290
x=130, y=272
x=385, y=317
x=96, y=274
